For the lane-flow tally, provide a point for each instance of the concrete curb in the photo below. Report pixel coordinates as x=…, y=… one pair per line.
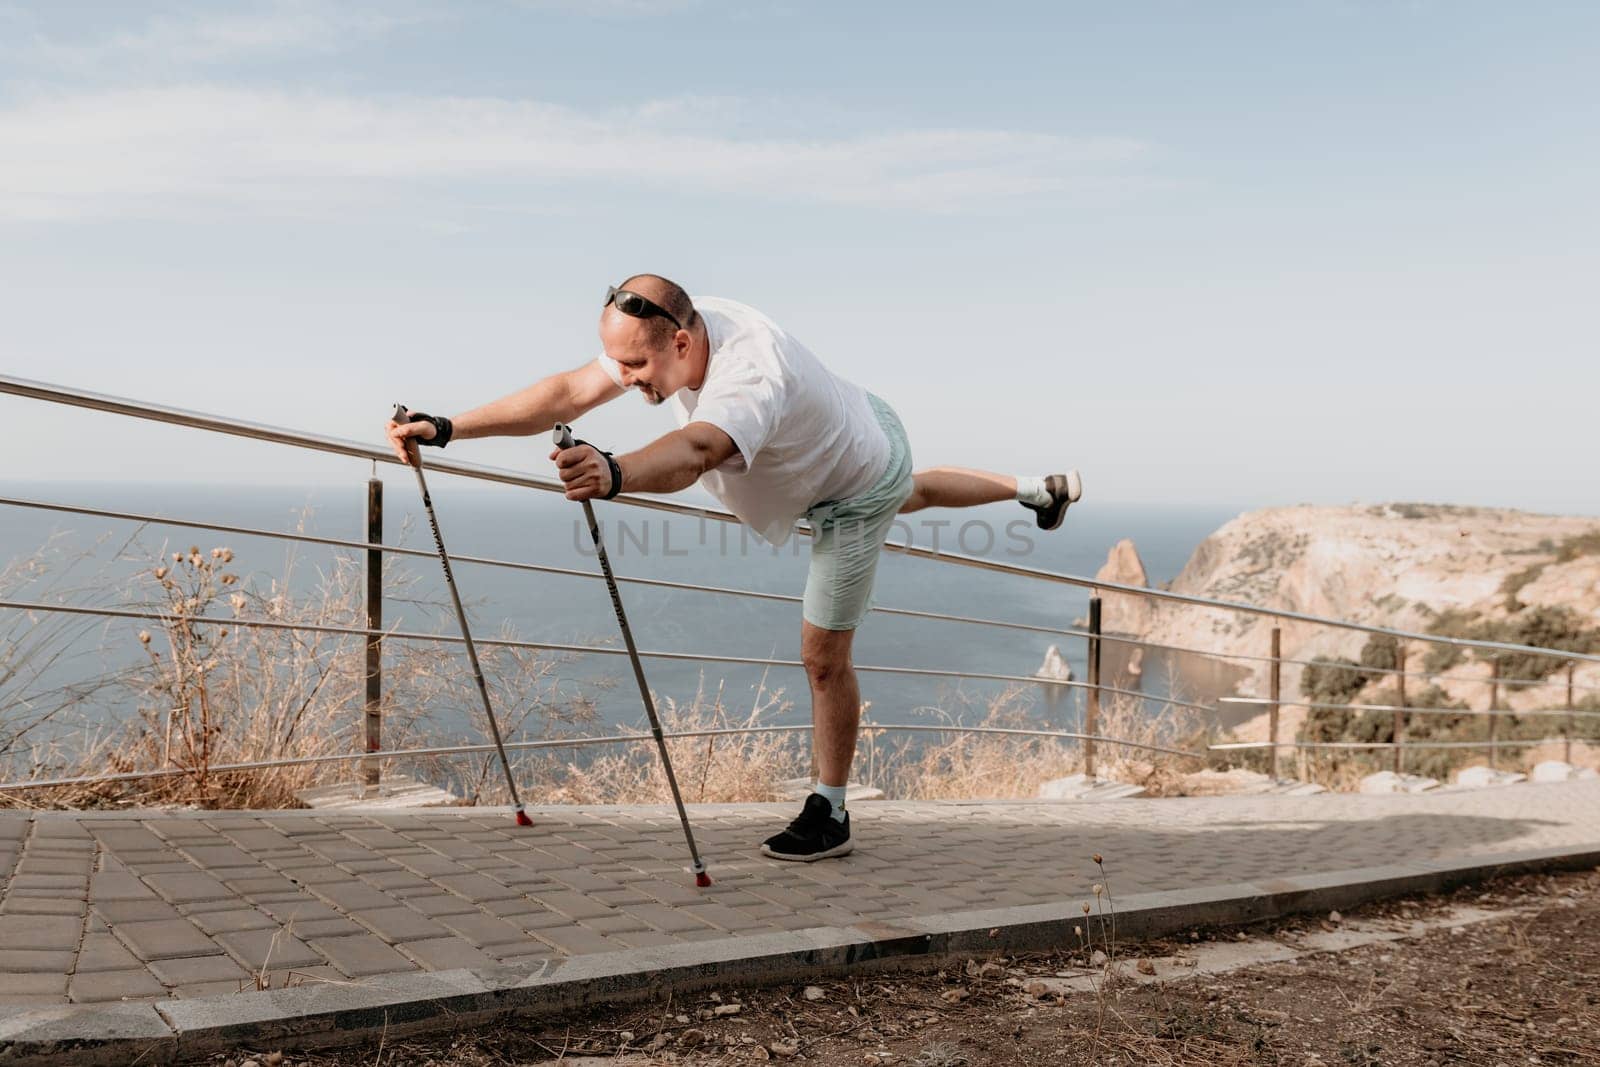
x=325, y=1014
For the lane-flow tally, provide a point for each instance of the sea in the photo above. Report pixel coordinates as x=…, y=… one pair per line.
x=106, y=561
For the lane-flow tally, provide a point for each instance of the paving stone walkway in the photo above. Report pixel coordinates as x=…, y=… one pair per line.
x=98, y=907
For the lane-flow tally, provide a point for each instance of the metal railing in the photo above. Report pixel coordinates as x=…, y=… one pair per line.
x=553, y=646
x=375, y=634
x=1364, y=746
x=515, y=565
x=753, y=594
x=354, y=449
x=1401, y=712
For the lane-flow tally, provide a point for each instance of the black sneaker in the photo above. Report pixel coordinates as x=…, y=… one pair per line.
x=1064, y=489
x=815, y=835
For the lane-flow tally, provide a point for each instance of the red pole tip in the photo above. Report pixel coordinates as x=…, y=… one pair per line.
x=522, y=818
x=702, y=879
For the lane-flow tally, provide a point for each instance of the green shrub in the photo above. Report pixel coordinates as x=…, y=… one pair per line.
x=1514, y=583
x=1380, y=653
x=1337, y=681
x=1441, y=658
x=1435, y=697
x=1584, y=544
x=1332, y=681
x=1451, y=622
x=1546, y=626
x=1557, y=627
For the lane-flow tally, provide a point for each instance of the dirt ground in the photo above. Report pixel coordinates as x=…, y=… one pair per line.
x=1503, y=973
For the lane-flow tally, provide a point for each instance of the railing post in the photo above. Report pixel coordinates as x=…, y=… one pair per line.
x=370, y=771
x=1091, y=722
x=1567, y=747
x=1400, y=716
x=1494, y=719
x=1274, y=693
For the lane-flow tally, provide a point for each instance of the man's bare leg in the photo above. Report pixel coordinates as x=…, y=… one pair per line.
x=823, y=828
x=957, y=487
x=835, y=700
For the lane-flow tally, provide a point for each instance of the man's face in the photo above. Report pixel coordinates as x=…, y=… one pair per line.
x=655, y=372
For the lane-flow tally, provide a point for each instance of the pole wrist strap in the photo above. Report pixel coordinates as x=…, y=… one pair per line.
x=442, y=428
x=611, y=462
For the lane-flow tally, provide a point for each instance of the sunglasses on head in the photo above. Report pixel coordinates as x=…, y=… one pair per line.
x=639, y=307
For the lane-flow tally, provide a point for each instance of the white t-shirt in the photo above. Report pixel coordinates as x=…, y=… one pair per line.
x=804, y=435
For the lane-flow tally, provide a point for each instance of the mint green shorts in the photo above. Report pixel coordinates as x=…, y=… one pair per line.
x=848, y=535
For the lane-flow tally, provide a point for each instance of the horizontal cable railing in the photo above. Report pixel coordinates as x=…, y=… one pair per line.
x=1391, y=672
x=1400, y=743
x=1409, y=709
x=1434, y=676
x=337, y=446
x=374, y=635
x=552, y=646
x=537, y=568
x=753, y=594
x=1244, y=746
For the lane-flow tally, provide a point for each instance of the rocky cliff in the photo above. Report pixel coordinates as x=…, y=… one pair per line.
x=1505, y=575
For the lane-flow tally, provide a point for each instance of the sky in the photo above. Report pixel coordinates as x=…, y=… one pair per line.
x=1245, y=254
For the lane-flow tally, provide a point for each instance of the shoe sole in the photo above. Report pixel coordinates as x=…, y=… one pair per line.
x=1074, y=494
x=837, y=850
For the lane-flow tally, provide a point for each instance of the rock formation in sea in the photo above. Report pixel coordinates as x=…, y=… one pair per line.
x=1125, y=612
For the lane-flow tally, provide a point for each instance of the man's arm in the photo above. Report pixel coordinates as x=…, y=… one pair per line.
x=559, y=398
x=666, y=465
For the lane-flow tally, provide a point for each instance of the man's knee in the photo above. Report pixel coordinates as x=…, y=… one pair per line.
x=825, y=660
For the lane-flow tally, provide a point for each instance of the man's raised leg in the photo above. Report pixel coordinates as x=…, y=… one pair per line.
x=959, y=487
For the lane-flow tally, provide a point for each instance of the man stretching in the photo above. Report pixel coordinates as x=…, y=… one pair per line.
x=776, y=437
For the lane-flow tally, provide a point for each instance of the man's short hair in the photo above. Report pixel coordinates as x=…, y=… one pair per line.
x=670, y=295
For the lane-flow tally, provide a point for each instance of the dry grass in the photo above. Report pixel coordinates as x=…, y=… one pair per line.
x=731, y=769
x=37, y=647
x=749, y=767
x=962, y=766
x=207, y=695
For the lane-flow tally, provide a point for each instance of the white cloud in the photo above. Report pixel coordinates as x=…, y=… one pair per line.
x=202, y=149
x=210, y=37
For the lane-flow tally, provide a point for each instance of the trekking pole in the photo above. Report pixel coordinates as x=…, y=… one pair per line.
x=461, y=616
x=563, y=439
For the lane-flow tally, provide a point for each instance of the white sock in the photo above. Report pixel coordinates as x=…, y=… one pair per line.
x=835, y=795
x=1032, y=491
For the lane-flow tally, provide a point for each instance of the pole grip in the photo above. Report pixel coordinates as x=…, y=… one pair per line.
x=413, y=448
x=562, y=435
